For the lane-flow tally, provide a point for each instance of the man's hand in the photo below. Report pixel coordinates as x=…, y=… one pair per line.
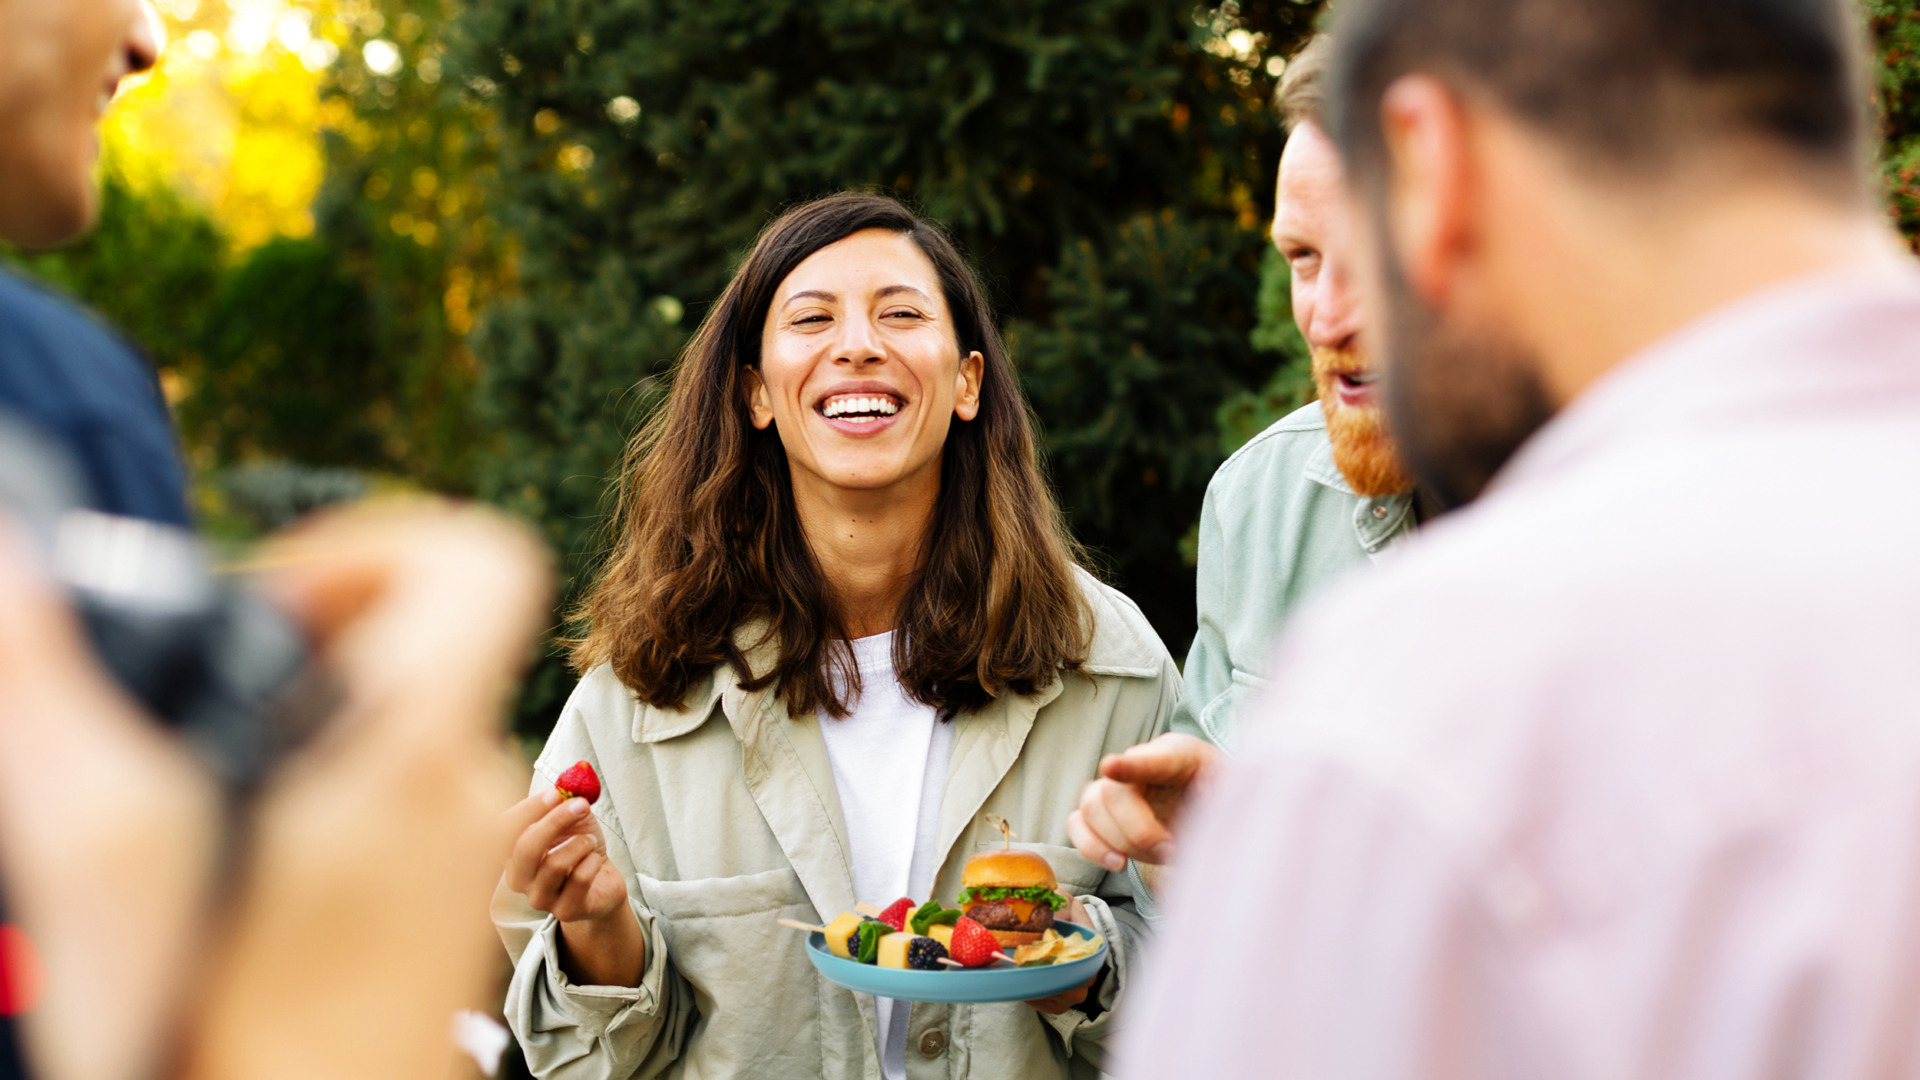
x=1074, y=998
x=1129, y=812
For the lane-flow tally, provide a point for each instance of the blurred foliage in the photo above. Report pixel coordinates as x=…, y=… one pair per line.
x=1106, y=162
x=408, y=162
x=287, y=367
x=1896, y=31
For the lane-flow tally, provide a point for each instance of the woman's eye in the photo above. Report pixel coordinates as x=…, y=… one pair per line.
x=805, y=319
x=906, y=314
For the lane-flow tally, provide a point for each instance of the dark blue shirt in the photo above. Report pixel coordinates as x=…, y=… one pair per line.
x=88, y=390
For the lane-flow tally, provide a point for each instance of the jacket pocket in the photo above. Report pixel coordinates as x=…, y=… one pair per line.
x=752, y=983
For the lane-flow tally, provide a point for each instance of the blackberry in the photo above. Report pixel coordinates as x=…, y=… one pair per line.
x=925, y=954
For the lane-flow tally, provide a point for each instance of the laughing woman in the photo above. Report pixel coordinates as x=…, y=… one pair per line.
x=842, y=624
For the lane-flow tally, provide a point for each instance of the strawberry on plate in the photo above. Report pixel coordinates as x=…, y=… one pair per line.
x=580, y=781
x=896, y=914
x=973, y=945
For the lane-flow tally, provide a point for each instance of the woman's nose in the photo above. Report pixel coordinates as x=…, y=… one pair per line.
x=858, y=343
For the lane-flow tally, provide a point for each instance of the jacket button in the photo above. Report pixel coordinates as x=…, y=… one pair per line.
x=933, y=1042
x=1380, y=511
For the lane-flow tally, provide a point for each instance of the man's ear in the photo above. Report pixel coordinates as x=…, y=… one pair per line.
x=966, y=386
x=1426, y=134
x=759, y=401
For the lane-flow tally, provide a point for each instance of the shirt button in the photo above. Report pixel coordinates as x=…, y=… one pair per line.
x=1373, y=549
x=1380, y=511
x=933, y=1042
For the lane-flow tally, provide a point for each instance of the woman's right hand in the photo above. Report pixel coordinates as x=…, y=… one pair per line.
x=559, y=863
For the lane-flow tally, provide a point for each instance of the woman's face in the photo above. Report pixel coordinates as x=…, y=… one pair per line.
x=860, y=370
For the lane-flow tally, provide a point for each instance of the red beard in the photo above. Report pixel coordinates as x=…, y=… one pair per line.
x=1362, y=449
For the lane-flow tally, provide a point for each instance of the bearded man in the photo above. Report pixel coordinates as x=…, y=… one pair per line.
x=1613, y=774
x=1320, y=492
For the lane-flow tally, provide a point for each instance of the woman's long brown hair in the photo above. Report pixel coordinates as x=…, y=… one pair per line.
x=708, y=539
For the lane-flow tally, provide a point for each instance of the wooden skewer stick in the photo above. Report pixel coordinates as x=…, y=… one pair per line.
x=1003, y=958
x=802, y=926
x=864, y=908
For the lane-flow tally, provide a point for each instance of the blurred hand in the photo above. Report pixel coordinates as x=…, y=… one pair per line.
x=1069, y=999
x=108, y=837
x=362, y=924
x=1129, y=813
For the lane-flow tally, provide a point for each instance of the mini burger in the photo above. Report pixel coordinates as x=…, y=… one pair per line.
x=1012, y=894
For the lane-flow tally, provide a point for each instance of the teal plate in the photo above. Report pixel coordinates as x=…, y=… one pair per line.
x=959, y=985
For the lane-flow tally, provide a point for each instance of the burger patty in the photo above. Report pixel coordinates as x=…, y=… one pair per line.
x=999, y=915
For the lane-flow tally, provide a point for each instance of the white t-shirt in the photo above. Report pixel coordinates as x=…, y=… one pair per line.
x=889, y=758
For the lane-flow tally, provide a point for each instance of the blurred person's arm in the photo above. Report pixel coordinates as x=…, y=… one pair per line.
x=361, y=926
x=343, y=951
x=109, y=834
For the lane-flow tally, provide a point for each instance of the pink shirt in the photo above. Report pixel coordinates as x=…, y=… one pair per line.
x=1615, y=773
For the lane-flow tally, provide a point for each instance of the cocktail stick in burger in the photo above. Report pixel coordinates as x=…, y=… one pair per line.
x=1012, y=893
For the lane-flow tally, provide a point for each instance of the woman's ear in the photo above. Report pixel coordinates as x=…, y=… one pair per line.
x=759, y=402
x=966, y=386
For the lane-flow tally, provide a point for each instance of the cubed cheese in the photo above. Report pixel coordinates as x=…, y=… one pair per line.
x=837, y=931
x=893, y=950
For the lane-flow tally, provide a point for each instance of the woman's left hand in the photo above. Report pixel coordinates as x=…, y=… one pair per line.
x=1068, y=999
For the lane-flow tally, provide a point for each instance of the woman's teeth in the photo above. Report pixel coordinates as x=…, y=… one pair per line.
x=859, y=409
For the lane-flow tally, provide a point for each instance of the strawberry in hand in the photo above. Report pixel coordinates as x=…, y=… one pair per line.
x=896, y=914
x=973, y=945
x=580, y=781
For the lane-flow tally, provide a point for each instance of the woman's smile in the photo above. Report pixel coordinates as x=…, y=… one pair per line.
x=861, y=409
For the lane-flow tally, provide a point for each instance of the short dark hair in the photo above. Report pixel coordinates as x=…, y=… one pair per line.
x=1301, y=96
x=1628, y=85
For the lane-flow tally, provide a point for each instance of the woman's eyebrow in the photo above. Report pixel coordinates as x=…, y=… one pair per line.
x=815, y=294
x=894, y=289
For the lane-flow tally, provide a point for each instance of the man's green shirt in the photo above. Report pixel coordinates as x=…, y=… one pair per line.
x=1278, y=524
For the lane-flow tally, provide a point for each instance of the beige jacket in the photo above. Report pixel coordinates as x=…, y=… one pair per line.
x=724, y=818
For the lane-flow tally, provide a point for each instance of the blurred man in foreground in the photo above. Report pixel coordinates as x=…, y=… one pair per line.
x=304, y=931
x=1318, y=493
x=1642, y=801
